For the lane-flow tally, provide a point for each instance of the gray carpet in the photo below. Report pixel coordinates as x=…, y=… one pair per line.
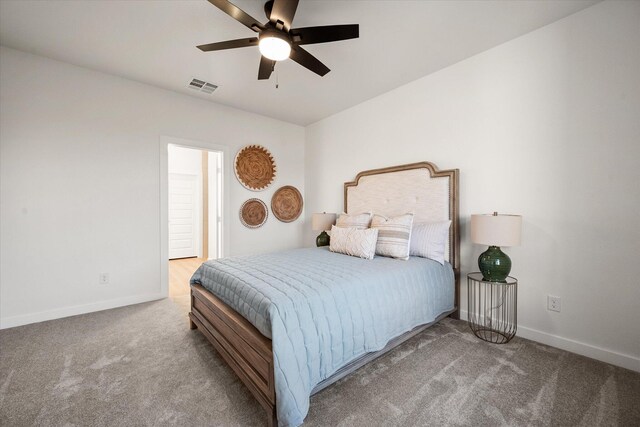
x=141, y=365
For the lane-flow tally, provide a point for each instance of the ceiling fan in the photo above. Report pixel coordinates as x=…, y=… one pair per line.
x=277, y=40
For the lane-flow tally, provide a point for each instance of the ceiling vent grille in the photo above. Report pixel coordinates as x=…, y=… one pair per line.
x=202, y=86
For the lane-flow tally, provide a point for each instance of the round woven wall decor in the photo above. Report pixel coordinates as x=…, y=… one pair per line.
x=286, y=203
x=253, y=213
x=255, y=167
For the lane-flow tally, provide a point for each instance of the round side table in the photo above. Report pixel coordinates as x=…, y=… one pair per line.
x=492, y=308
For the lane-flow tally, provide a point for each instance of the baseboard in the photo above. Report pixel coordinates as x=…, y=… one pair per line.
x=25, y=319
x=598, y=353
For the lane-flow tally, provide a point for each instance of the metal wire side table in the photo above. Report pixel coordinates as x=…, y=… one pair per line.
x=492, y=308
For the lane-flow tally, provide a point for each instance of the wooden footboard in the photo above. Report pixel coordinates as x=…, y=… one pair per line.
x=240, y=344
x=249, y=353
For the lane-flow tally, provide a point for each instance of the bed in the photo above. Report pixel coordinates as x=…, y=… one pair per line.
x=292, y=323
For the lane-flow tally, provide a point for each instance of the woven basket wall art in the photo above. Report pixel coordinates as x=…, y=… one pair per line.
x=286, y=203
x=255, y=167
x=253, y=213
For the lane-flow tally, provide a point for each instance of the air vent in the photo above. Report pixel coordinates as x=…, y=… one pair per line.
x=202, y=86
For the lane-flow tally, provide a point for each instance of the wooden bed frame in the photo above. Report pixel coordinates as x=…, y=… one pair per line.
x=249, y=353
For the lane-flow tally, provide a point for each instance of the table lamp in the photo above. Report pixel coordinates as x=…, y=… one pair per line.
x=495, y=231
x=322, y=222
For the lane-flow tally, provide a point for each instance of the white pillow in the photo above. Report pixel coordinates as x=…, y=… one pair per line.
x=394, y=235
x=353, y=241
x=429, y=240
x=359, y=221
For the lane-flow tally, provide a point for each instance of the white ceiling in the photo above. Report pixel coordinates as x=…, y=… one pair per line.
x=154, y=42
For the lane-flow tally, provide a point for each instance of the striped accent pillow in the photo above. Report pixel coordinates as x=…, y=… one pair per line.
x=359, y=221
x=429, y=240
x=394, y=235
x=353, y=241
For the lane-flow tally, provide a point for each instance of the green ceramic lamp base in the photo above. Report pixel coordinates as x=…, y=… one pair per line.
x=323, y=239
x=494, y=264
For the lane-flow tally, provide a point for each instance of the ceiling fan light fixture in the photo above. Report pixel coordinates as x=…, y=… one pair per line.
x=274, y=46
x=278, y=39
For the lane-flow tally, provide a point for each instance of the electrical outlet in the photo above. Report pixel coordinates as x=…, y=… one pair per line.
x=554, y=303
x=103, y=278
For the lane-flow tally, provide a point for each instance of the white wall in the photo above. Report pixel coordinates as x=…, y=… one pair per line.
x=546, y=125
x=185, y=160
x=80, y=184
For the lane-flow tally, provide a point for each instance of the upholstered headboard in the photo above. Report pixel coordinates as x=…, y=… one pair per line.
x=431, y=194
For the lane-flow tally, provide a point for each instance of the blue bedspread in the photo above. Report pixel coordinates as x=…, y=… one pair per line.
x=323, y=309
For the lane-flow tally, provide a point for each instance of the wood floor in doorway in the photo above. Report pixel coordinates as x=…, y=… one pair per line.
x=180, y=271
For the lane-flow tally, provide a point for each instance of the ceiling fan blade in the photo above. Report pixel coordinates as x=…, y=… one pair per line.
x=229, y=44
x=329, y=33
x=308, y=61
x=283, y=11
x=265, y=69
x=238, y=14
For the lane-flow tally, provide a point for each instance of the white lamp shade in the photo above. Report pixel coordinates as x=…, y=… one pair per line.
x=322, y=221
x=274, y=48
x=496, y=230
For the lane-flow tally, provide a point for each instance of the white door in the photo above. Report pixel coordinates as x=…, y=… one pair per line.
x=182, y=216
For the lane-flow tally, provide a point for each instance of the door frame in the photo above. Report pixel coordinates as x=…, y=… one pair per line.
x=165, y=140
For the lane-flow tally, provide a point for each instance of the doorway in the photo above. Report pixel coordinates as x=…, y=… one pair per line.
x=185, y=197
x=194, y=199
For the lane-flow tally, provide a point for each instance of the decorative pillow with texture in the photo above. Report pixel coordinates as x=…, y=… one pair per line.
x=429, y=240
x=353, y=241
x=359, y=221
x=394, y=235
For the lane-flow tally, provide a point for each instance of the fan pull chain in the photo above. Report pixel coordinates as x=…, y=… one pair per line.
x=277, y=82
